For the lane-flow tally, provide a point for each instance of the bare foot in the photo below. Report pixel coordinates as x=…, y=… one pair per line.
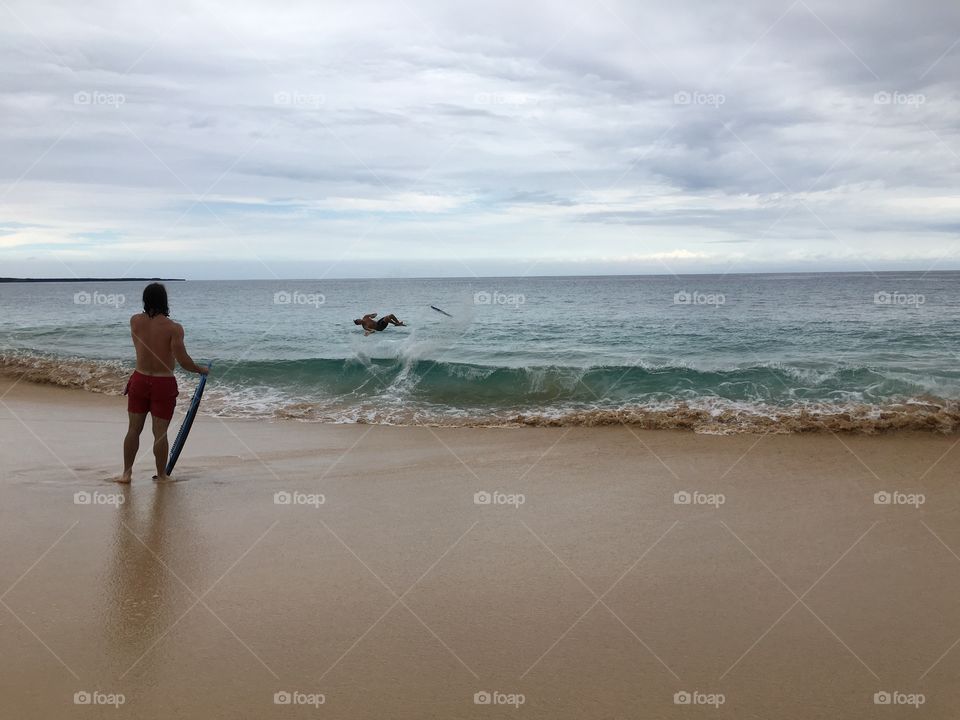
x=163, y=478
x=126, y=477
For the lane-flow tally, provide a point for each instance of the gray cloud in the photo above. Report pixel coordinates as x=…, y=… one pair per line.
x=529, y=130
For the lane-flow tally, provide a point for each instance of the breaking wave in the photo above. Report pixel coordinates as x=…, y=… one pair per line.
x=405, y=391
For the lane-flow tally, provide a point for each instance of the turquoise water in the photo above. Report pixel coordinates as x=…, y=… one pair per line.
x=543, y=349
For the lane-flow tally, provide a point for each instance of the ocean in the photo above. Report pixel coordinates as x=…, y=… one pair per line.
x=798, y=352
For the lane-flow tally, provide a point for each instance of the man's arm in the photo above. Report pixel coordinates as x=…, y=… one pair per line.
x=180, y=353
x=369, y=315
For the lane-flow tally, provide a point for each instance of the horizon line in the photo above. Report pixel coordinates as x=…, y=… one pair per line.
x=10, y=280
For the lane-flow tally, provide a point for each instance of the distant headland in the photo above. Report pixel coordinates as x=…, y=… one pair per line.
x=88, y=279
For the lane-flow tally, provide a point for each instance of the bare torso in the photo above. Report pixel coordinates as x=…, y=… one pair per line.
x=153, y=339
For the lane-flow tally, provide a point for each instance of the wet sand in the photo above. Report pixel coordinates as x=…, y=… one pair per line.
x=399, y=596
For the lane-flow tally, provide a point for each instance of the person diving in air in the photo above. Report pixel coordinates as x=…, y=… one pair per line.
x=370, y=325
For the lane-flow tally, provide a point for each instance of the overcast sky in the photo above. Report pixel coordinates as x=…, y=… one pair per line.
x=284, y=139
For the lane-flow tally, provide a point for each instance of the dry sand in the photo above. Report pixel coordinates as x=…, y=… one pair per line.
x=399, y=597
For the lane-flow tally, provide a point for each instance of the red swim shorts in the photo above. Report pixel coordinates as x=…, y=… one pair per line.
x=154, y=393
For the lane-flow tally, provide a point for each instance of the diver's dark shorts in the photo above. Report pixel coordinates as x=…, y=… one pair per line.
x=382, y=324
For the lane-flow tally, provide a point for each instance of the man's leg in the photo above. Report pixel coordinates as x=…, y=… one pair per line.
x=131, y=443
x=161, y=448
x=392, y=319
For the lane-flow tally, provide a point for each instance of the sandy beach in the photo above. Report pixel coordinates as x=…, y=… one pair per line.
x=377, y=583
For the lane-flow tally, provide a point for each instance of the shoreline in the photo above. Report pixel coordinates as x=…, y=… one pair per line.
x=87, y=279
x=706, y=416
x=497, y=597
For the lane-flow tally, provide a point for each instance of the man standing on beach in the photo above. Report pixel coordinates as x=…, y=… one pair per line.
x=152, y=388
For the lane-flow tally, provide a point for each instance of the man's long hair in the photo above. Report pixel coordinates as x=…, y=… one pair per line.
x=155, y=300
